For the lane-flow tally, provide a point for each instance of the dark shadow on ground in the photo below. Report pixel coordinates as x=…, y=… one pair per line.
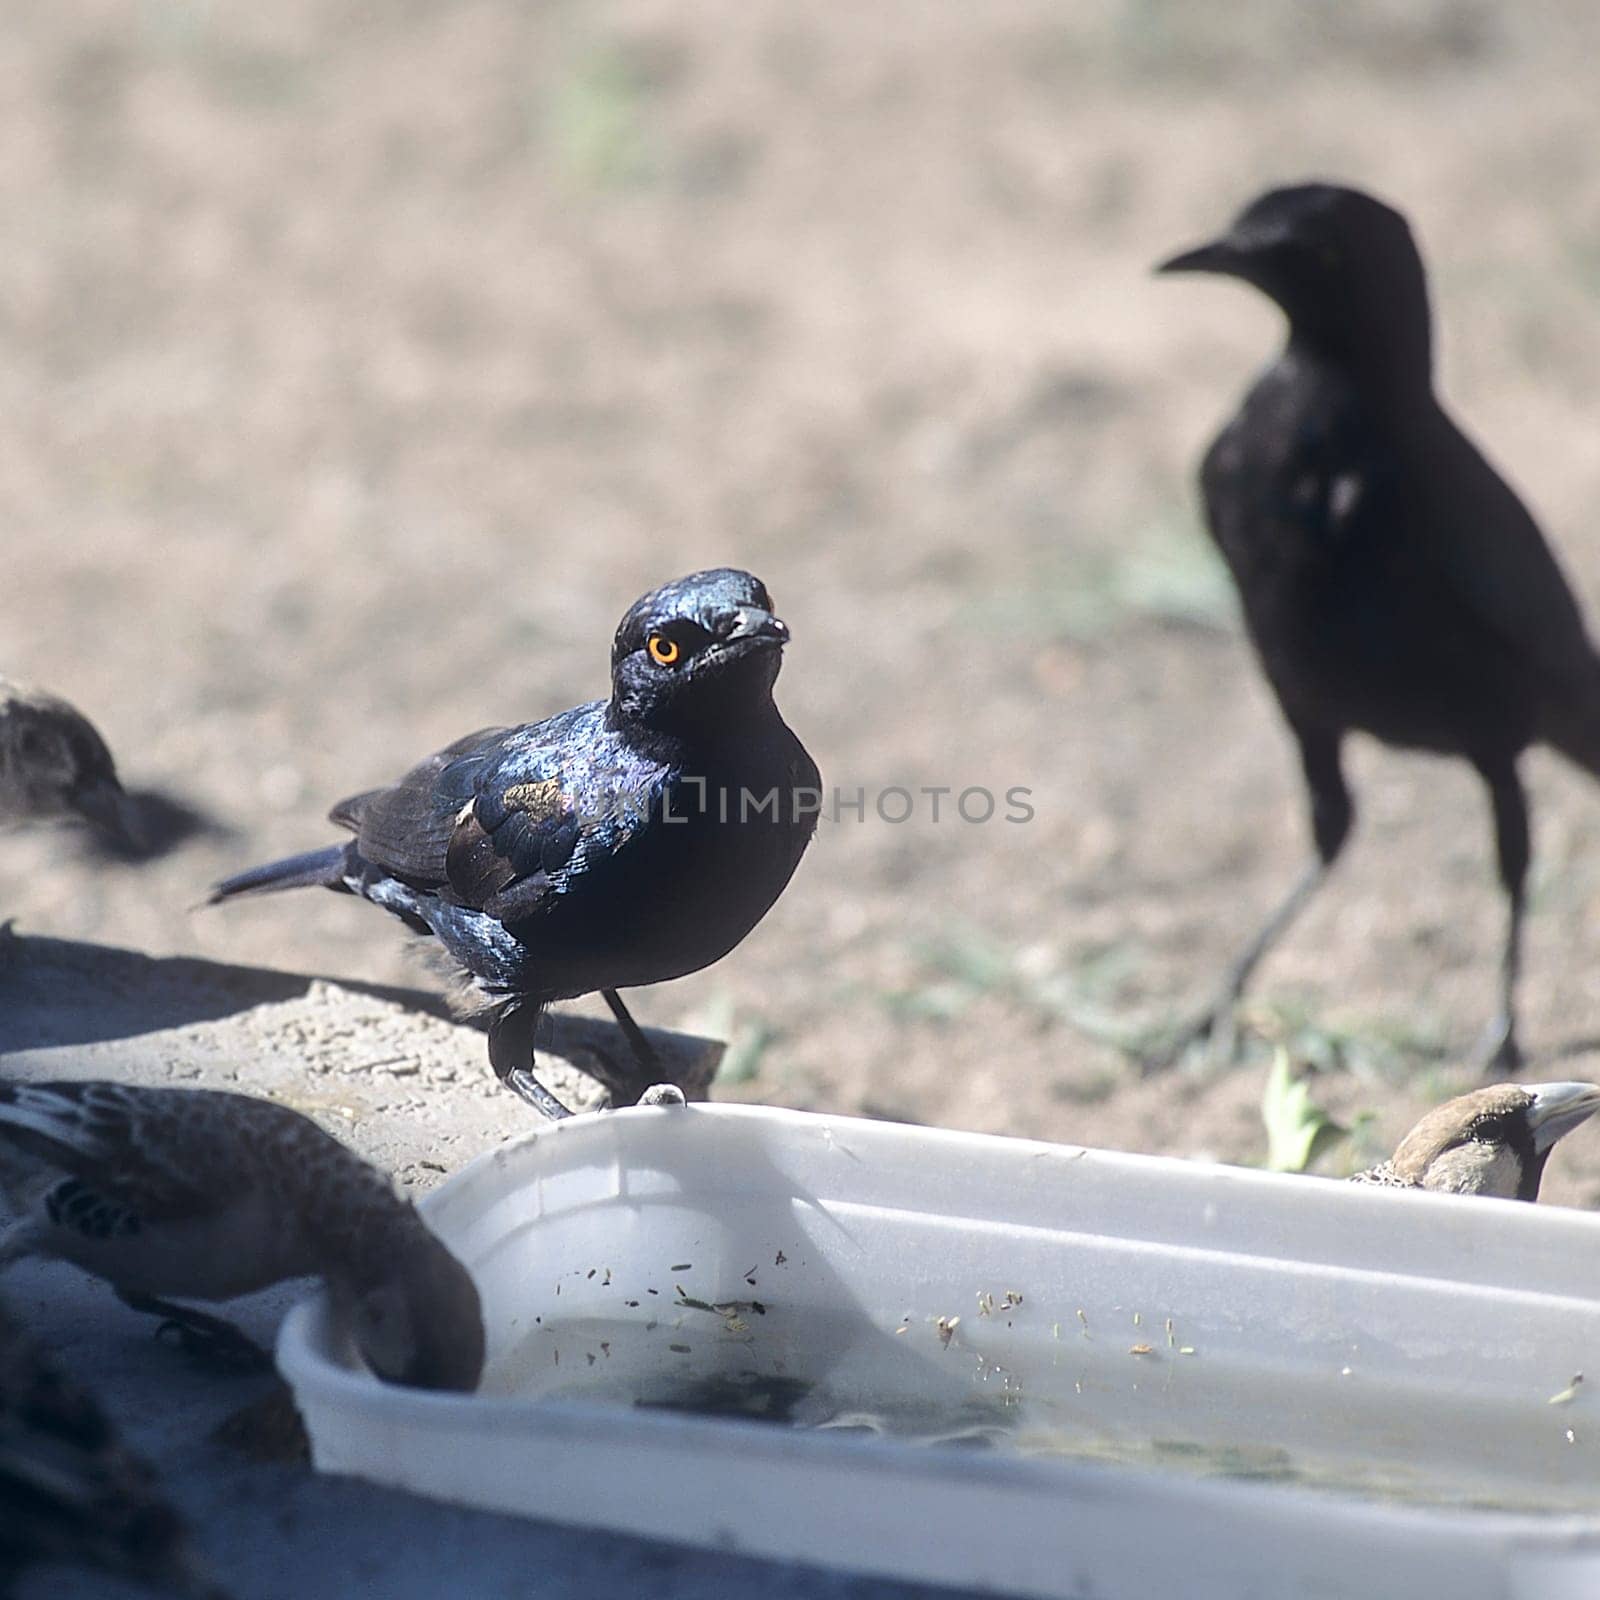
x=59, y=992
x=158, y=824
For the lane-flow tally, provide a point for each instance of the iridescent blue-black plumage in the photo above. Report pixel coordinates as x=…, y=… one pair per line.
x=622, y=842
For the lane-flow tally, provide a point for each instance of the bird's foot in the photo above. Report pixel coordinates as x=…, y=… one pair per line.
x=1497, y=1053
x=213, y=1344
x=522, y=1083
x=663, y=1094
x=1217, y=1028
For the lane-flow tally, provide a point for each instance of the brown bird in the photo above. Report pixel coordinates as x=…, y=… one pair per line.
x=70, y=1491
x=205, y=1195
x=54, y=764
x=1494, y=1141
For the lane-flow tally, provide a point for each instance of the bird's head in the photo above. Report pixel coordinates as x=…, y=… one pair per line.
x=1496, y=1140
x=421, y=1322
x=53, y=764
x=697, y=653
x=1342, y=266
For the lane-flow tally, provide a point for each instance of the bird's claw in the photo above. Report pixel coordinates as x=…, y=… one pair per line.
x=663, y=1094
x=1217, y=1028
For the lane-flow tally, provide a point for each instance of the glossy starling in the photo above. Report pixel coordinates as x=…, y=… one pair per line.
x=623, y=842
x=54, y=764
x=1494, y=1141
x=205, y=1195
x=71, y=1491
x=1392, y=583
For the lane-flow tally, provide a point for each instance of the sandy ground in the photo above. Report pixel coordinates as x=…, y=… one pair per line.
x=359, y=367
x=408, y=1089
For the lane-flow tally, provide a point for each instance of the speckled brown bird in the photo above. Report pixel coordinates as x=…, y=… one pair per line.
x=71, y=1491
x=54, y=764
x=205, y=1195
x=1494, y=1141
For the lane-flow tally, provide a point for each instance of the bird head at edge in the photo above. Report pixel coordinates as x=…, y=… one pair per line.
x=418, y=1322
x=697, y=651
x=1471, y=1136
x=55, y=764
x=1341, y=265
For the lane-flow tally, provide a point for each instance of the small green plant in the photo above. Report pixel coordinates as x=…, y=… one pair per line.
x=595, y=122
x=1298, y=1130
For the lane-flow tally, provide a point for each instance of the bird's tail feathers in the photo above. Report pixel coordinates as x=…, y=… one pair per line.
x=1573, y=724
x=315, y=869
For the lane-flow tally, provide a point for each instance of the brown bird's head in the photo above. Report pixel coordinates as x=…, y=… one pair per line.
x=421, y=1322
x=1342, y=265
x=53, y=764
x=1494, y=1141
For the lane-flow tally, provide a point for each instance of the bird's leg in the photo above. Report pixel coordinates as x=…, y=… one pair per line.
x=1218, y=1023
x=210, y=1341
x=1331, y=815
x=1497, y=1053
x=627, y=1087
x=511, y=1055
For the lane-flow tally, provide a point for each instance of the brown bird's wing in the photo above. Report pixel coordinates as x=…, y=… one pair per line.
x=107, y=1137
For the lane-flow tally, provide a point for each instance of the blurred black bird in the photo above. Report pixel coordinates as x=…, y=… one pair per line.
x=623, y=842
x=1391, y=581
x=71, y=1491
x=54, y=764
x=1494, y=1141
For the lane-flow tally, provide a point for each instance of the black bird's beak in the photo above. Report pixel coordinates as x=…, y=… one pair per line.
x=106, y=807
x=758, y=626
x=1217, y=256
x=1558, y=1108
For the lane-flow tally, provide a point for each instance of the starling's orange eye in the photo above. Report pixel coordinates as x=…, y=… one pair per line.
x=665, y=652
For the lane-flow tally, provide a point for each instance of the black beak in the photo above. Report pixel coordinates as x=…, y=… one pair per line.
x=758, y=626
x=1217, y=256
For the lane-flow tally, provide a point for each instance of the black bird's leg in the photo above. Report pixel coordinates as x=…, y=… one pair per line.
x=627, y=1087
x=1331, y=816
x=511, y=1055
x=1497, y=1053
x=208, y=1340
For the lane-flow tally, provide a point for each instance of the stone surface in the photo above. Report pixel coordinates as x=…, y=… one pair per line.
x=390, y=1073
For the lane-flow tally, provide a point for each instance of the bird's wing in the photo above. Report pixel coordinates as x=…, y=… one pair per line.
x=406, y=828
x=562, y=794
x=104, y=1136
x=1487, y=546
x=492, y=820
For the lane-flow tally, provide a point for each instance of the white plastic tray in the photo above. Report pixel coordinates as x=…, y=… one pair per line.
x=1130, y=1328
